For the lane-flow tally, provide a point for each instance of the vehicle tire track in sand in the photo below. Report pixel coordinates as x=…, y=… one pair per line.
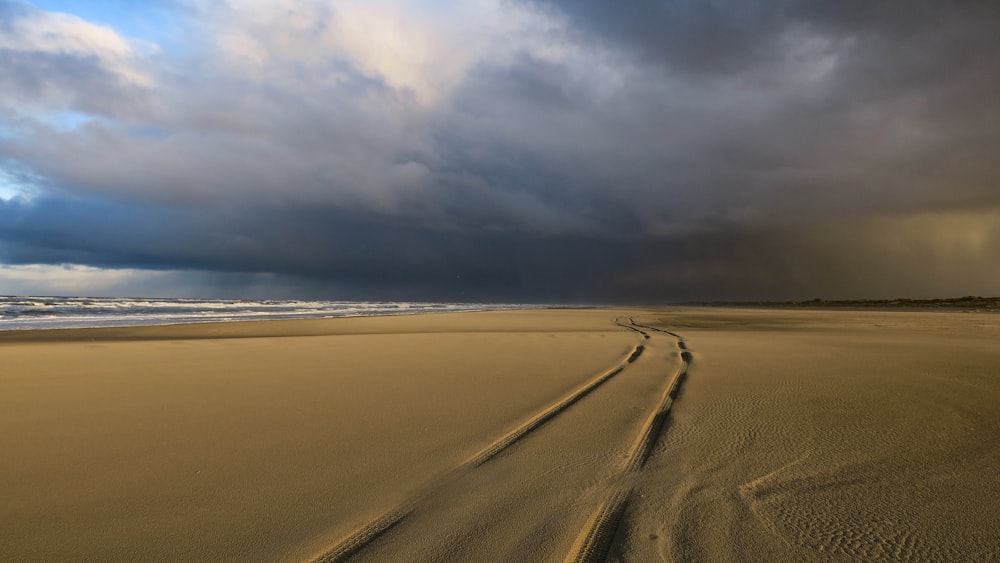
x=645, y=335
x=653, y=328
x=540, y=418
x=657, y=420
x=366, y=534
x=635, y=354
x=354, y=542
x=595, y=541
x=597, y=537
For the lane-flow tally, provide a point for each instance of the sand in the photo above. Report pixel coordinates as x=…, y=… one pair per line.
x=577, y=435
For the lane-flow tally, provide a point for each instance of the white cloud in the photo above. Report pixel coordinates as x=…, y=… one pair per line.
x=421, y=47
x=38, y=31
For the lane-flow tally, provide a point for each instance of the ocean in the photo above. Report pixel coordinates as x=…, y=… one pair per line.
x=20, y=312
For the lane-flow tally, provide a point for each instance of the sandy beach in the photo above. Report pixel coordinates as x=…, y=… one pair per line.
x=686, y=434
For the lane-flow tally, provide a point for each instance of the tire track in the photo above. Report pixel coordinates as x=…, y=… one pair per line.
x=514, y=435
x=597, y=537
x=645, y=335
x=656, y=423
x=354, y=542
x=366, y=534
x=635, y=354
x=664, y=331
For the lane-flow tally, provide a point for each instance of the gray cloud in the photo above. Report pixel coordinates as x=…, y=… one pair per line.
x=646, y=152
x=71, y=82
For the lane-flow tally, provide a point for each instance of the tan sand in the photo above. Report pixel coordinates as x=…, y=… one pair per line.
x=503, y=436
x=829, y=436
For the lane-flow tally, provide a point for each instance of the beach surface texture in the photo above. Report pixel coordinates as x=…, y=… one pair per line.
x=680, y=434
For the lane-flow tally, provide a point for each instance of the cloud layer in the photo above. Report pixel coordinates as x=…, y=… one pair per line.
x=530, y=150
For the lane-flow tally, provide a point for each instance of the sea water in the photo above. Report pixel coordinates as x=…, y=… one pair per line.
x=20, y=312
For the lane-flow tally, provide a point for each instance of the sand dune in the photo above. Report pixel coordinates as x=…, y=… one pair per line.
x=583, y=435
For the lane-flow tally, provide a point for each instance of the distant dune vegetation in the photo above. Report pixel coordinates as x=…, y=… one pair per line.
x=967, y=302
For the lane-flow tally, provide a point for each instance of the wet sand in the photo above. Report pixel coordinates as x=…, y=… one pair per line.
x=639, y=435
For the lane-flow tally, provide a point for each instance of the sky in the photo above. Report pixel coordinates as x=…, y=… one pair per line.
x=500, y=150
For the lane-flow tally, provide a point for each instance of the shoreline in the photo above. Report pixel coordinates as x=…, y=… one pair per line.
x=249, y=328
x=230, y=328
x=39, y=313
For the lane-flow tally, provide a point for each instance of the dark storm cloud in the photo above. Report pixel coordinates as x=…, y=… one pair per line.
x=846, y=96
x=326, y=252
x=666, y=151
x=696, y=37
x=361, y=252
x=729, y=36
